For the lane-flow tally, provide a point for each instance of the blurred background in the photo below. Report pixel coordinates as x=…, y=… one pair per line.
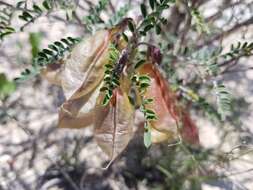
x=196, y=42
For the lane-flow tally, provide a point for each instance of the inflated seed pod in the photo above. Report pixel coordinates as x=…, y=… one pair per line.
x=80, y=75
x=114, y=128
x=172, y=119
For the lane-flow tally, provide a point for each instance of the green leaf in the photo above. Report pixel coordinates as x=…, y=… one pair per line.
x=37, y=9
x=27, y=15
x=35, y=39
x=244, y=45
x=9, y=29
x=108, y=72
x=94, y=15
x=41, y=54
x=6, y=33
x=134, y=78
x=106, y=99
x=53, y=47
x=151, y=117
x=20, y=4
x=149, y=112
x=152, y=4
x=158, y=29
x=108, y=66
x=143, y=10
x=49, y=52
x=148, y=101
x=125, y=36
x=65, y=41
x=163, y=20
x=46, y=56
x=117, y=17
x=115, y=82
x=147, y=135
x=148, y=27
x=102, y=89
x=46, y=4
x=224, y=101
x=199, y=21
x=142, y=33
x=139, y=63
x=144, y=79
x=143, y=86
x=59, y=44
x=6, y=87
x=131, y=26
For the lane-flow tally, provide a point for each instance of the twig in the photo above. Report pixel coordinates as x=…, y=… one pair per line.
x=21, y=126
x=226, y=33
x=78, y=19
x=15, y=8
x=65, y=174
x=239, y=70
x=112, y=7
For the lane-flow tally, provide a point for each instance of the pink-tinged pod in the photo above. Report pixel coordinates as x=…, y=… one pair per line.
x=172, y=119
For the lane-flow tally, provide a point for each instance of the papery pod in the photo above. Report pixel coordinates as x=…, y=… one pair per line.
x=165, y=122
x=169, y=113
x=114, y=122
x=83, y=70
x=78, y=113
x=189, y=131
x=157, y=136
x=80, y=77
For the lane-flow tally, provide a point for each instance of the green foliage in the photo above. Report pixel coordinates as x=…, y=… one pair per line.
x=143, y=10
x=224, y=100
x=212, y=58
x=239, y=50
x=46, y=7
x=111, y=80
x=142, y=83
x=52, y=54
x=152, y=4
x=6, y=87
x=131, y=27
x=35, y=39
x=67, y=4
x=208, y=58
x=5, y=19
x=199, y=21
x=153, y=19
x=117, y=17
x=198, y=101
x=94, y=15
x=147, y=139
x=36, y=11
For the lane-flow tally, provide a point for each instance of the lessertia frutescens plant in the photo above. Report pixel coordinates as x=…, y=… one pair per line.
x=113, y=73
